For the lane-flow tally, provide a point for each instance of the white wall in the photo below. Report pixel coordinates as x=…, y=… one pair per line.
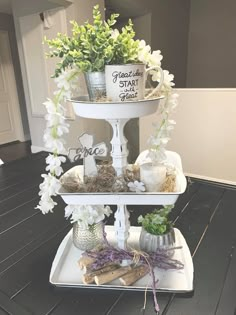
x=36, y=70
x=7, y=24
x=205, y=133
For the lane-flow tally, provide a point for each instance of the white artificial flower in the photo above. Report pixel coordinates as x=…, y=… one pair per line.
x=69, y=210
x=143, y=52
x=54, y=144
x=56, y=126
x=46, y=205
x=50, y=106
x=155, y=58
x=87, y=215
x=115, y=33
x=61, y=81
x=172, y=102
x=49, y=186
x=54, y=164
x=136, y=186
x=168, y=78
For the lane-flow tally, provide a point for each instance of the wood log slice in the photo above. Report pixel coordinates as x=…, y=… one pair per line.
x=111, y=275
x=88, y=278
x=134, y=275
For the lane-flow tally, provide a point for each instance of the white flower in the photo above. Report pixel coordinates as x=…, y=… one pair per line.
x=56, y=126
x=48, y=188
x=69, y=210
x=50, y=106
x=54, y=164
x=115, y=33
x=155, y=58
x=168, y=78
x=46, y=205
x=53, y=144
x=144, y=52
x=87, y=215
x=136, y=186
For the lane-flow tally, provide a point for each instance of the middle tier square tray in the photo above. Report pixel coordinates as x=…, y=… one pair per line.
x=127, y=198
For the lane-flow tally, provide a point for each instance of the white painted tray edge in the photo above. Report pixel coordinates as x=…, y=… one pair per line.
x=65, y=245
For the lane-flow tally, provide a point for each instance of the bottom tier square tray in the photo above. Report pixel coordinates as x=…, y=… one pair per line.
x=66, y=273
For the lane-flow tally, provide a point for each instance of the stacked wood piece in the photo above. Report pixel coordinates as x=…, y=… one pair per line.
x=111, y=271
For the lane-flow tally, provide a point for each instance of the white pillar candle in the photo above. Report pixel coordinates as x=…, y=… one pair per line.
x=153, y=176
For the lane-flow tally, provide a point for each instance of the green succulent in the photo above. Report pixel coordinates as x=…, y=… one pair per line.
x=92, y=46
x=157, y=222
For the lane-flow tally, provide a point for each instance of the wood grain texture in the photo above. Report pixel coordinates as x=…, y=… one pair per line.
x=211, y=262
x=227, y=302
x=10, y=307
x=205, y=214
x=2, y=312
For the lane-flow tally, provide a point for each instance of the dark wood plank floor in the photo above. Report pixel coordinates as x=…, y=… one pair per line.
x=14, y=150
x=205, y=214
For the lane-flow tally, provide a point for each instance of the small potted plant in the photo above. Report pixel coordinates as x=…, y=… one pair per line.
x=157, y=231
x=91, y=47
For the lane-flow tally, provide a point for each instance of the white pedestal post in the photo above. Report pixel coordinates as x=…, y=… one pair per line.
x=122, y=226
x=119, y=150
x=119, y=155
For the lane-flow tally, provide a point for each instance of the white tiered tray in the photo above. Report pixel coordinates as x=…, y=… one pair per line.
x=114, y=110
x=66, y=273
x=129, y=198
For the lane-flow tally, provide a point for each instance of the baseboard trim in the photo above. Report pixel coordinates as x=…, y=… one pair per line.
x=212, y=179
x=36, y=149
x=27, y=137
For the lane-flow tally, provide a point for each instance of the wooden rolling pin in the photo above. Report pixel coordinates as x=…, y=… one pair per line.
x=111, y=275
x=135, y=274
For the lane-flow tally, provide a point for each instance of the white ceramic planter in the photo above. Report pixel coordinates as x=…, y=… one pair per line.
x=151, y=243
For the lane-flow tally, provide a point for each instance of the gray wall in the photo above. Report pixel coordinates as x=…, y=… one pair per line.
x=212, y=44
x=7, y=24
x=170, y=23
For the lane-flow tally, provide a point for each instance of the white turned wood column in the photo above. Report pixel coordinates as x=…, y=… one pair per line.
x=119, y=150
x=122, y=226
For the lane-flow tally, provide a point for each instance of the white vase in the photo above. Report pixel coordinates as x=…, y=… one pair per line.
x=87, y=238
x=153, y=176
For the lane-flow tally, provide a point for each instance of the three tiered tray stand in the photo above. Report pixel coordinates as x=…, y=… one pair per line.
x=117, y=115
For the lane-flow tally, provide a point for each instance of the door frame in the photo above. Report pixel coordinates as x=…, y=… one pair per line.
x=12, y=89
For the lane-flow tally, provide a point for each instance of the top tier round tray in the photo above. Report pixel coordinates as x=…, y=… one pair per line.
x=114, y=110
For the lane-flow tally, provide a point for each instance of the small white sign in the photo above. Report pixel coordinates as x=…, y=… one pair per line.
x=88, y=153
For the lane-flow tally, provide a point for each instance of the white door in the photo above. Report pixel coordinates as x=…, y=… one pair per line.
x=10, y=117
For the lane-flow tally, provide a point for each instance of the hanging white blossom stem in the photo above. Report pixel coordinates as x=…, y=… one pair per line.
x=56, y=127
